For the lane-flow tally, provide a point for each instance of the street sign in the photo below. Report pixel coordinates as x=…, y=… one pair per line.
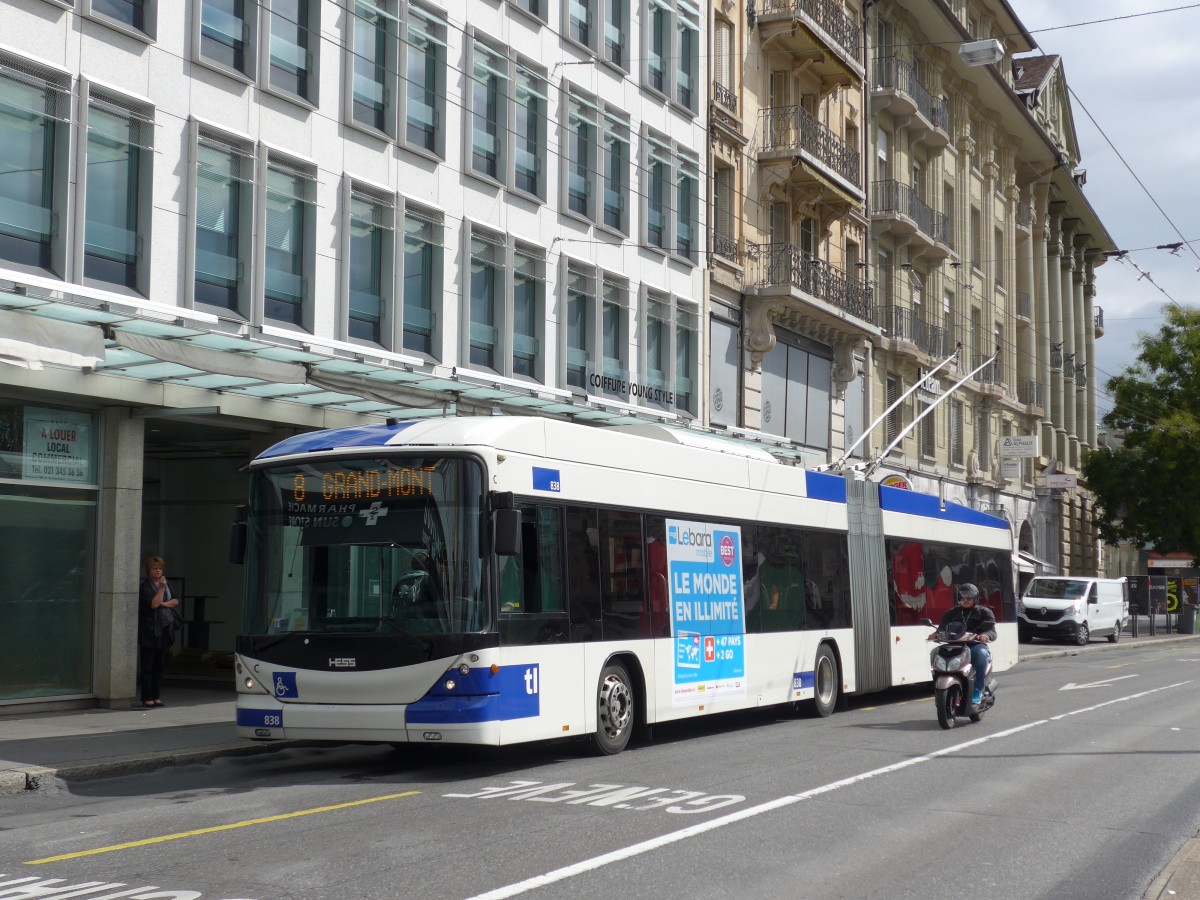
x=1061, y=481
x=1019, y=445
x=1010, y=468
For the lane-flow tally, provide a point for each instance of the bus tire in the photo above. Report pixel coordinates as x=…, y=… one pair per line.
x=615, y=712
x=826, y=681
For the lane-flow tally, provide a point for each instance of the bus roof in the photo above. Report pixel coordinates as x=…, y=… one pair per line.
x=536, y=436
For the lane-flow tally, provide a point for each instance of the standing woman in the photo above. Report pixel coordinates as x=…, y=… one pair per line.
x=154, y=640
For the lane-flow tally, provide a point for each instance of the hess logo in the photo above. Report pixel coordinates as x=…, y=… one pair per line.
x=342, y=662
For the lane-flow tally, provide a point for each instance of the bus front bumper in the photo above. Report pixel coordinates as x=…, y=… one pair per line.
x=262, y=718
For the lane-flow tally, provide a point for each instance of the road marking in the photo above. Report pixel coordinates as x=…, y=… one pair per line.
x=597, y=862
x=1072, y=686
x=161, y=839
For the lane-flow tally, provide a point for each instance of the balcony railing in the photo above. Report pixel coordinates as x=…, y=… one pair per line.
x=725, y=97
x=725, y=247
x=993, y=374
x=769, y=265
x=792, y=129
x=829, y=16
x=896, y=74
x=905, y=325
x=1031, y=393
x=1025, y=305
x=893, y=197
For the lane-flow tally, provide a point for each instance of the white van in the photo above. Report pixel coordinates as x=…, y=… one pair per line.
x=1073, y=607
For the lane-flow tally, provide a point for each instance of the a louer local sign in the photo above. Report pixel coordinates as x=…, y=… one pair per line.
x=57, y=445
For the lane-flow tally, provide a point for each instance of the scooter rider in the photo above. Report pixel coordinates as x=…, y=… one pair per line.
x=974, y=618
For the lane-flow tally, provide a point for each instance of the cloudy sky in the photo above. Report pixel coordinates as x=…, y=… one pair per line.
x=1135, y=75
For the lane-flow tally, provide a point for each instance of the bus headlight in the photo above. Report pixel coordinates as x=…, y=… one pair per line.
x=249, y=683
x=449, y=684
x=464, y=670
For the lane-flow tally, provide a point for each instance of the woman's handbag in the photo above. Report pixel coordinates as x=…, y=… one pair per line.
x=167, y=623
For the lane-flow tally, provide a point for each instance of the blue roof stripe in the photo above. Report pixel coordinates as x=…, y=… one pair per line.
x=353, y=436
x=916, y=504
x=826, y=487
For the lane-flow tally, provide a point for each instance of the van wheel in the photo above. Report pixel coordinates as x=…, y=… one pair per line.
x=1082, y=635
x=615, y=718
x=1116, y=635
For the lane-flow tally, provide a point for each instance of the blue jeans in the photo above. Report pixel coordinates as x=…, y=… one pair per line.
x=980, y=657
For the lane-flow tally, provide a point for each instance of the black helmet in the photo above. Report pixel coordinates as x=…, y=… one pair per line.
x=968, y=591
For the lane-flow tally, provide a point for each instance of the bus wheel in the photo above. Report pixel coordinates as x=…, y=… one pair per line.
x=615, y=719
x=825, y=682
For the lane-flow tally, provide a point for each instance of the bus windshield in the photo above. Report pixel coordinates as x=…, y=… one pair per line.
x=379, y=545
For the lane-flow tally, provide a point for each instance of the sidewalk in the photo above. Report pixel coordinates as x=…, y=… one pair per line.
x=194, y=726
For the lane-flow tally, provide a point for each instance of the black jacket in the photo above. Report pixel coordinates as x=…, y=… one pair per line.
x=979, y=620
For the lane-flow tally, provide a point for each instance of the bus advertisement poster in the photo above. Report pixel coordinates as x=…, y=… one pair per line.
x=708, y=619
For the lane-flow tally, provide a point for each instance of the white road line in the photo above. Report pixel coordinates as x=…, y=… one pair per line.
x=588, y=865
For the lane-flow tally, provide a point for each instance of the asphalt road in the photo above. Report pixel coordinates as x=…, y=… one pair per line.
x=1081, y=783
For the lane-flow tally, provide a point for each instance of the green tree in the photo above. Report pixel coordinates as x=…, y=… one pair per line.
x=1148, y=486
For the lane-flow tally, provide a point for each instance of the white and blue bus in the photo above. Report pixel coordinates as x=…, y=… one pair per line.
x=496, y=580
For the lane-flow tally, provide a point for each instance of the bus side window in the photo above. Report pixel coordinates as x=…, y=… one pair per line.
x=782, y=578
x=583, y=573
x=551, y=588
x=621, y=561
x=532, y=598
x=656, y=612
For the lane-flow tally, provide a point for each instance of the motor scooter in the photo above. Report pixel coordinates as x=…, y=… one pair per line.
x=952, y=671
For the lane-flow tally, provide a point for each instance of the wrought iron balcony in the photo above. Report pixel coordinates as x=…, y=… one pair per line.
x=725, y=97
x=771, y=265
x=890, y=197
x=892, y=74
x=725, y=247
x=1031, y=393
x=906, y=325
x=993, y=374
x=829, y=16
x=1025, y=305
x=793, y=129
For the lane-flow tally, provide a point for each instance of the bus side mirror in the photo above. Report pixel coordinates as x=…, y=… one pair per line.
x=237, y=537
x=506, y=532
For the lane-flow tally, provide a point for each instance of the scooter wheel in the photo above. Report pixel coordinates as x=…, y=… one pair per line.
x=947, y=701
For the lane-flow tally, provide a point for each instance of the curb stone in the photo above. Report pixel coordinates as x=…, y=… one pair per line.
x=1181, y=877
x=31, y=778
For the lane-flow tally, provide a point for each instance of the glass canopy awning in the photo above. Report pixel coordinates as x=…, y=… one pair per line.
x=119, y=335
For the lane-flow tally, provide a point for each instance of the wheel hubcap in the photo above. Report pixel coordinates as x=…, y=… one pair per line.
x=824, y=679
x=615, y=705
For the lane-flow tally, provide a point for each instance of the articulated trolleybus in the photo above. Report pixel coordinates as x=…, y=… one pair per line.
x=506, y=579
